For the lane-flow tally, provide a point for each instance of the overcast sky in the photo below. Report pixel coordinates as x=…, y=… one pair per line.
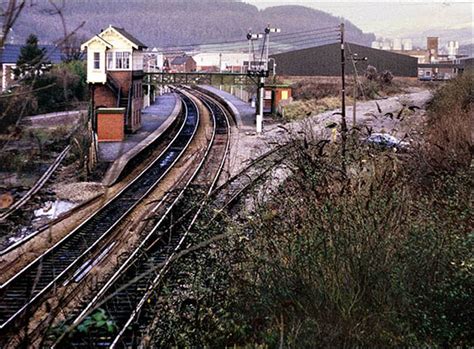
x=391, y=18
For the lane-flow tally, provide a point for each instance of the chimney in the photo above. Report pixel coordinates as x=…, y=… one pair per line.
x=432, y=47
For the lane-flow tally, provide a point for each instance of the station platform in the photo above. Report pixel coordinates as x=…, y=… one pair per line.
x=156, y=119
x=244, y=113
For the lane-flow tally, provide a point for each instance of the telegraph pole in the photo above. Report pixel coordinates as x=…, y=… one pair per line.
x=343, y=89
x=256, y=71
x=343, y=103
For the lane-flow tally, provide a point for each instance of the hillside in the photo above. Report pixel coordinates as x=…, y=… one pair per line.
x=172, y=23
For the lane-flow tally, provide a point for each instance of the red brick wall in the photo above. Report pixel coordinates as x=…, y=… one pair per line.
x=104, y=97
x=177, y=68
x=190, y=65
x=123, y=78
x=110, y=127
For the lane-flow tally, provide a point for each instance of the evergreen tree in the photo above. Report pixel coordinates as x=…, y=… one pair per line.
x=32, y=60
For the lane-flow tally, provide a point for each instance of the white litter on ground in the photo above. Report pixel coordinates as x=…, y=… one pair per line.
x=52, y=210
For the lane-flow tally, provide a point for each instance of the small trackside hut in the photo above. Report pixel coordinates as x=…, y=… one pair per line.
x=275, y=95
x=115, y=75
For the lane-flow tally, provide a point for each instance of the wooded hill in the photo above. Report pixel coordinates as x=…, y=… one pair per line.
x=177, y=22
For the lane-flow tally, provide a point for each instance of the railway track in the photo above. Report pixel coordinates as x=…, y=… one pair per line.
x=122, y=299
x=236, y=186
x=127, y=294
x=27, y=288
x=129, y=297
x=131, y=332
x=36, y=187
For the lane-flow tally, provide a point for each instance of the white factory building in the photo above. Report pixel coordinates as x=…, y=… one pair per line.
x=396, y=44
x=216, y=61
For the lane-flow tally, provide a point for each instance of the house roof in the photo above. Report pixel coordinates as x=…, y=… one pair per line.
x=11, y=52
x=130, y=37
x=96, y=38
x=180, y=60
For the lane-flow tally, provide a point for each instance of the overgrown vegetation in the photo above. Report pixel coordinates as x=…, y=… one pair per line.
x=41, y=87
x=319, y=94
x=451, y=124
x=302, y=108
x=375, y=253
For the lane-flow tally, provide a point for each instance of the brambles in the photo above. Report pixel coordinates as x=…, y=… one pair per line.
x=309, y=89
x=386, y=77
x=371, y=73
x=300, y=109
x=450, y=124
x=382, y=257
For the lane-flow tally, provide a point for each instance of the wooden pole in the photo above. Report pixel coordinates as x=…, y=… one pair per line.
x=355, y=102
x=343, y=89
x=343, y=102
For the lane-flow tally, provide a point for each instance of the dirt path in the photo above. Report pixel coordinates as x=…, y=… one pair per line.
x=246, y=145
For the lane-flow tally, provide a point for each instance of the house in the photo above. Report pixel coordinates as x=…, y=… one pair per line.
x=9, y=56
x=325, y=60
x=183, y=64
x=115, y=74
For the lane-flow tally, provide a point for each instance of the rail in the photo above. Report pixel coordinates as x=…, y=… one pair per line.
x=32, y=282
x=214, y=108
x=139, y=259
x=37, y=186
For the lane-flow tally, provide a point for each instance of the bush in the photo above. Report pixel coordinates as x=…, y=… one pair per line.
x=449, y=135
x=371, y=73
x=311, y=89
x=59, y=89
x=386, y=77
x=375, y=253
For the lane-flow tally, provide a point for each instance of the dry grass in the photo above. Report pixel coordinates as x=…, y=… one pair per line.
x=317, y=94
x=300, y=109
x=449, y=136
x=372, y=259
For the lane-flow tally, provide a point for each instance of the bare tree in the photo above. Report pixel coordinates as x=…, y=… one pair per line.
x=9, y=12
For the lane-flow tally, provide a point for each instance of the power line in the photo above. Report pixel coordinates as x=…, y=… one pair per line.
x=299, y=45
x=321, y=30
x=333, y=37
x=242, y=43
x=244, y=47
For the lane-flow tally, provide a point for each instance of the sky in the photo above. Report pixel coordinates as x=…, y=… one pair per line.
x=391, y=18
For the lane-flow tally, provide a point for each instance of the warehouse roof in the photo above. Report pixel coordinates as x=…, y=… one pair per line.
x=325, y=60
